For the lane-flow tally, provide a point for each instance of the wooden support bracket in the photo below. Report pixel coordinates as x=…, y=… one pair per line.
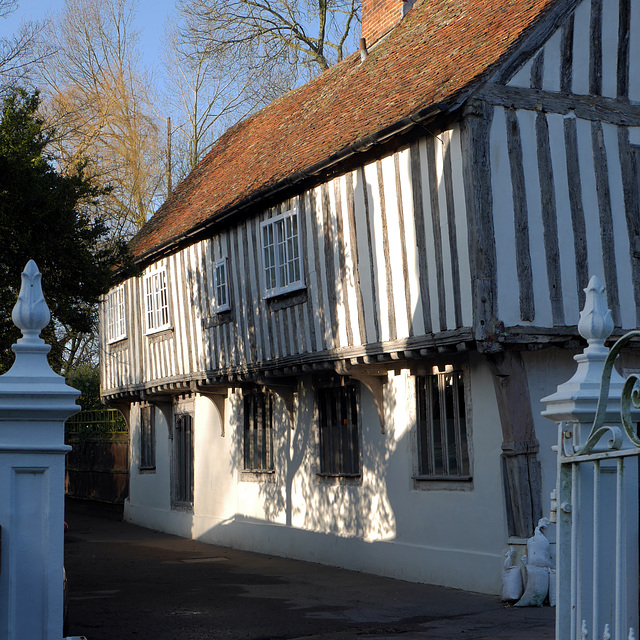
x=375, y=384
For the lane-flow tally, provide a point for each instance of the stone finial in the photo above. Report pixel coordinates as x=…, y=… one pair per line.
x=31, y=313
x=596, y=322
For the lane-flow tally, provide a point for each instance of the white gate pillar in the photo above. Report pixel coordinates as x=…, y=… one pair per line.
x=597, y=493
x=34, y=405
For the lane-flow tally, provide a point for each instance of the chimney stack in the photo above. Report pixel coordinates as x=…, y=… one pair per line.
x=379, y=16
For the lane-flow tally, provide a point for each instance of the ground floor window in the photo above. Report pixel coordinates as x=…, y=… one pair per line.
x=338, y=431
x=147, y=438
x=442, y=425
x=183, y=458
x=258, y=430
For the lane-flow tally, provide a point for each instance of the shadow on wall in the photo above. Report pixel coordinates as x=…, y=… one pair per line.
x=299, y=498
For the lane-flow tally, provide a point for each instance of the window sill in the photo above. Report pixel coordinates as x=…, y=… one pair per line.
x=285, y=299
x=443, y=478
x=339, y=478
x=117, y=341
x=258, y=475
x=218, y=318
x=160, y=335
x=143, y=471
x=442, y=483
x=182, y=506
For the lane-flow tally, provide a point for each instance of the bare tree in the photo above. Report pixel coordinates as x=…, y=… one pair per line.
x=20, y=51
x=96, y=97
x=291, y=40
x=205, y=94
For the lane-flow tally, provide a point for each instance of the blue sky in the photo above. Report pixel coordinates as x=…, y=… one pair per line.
x=151, y=18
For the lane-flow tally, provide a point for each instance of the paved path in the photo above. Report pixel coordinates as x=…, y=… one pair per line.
x=130, y=582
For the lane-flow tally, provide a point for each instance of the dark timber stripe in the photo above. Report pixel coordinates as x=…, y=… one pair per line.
x=274, y=317
x=521, y=215
x=329, y=243
x=186, y=297
x=418, y=216
x=299, y=334
x=214, y=346
x=606, y=219
x=354, y=257
x=391, y=309
x=340, y=240
x=595, y=49
x=256, y=241
x=303, y=227
x=236, y=336
x=624, y=32
x=203, y=301
x=537, y=71
x=241, y=320
x=252, y=321
x=549, y=219
x=566, y=56
x=256, y=303
x=630, y=165
x=271, y=347
x=322, y=304
x=403, y=245
x=437, y=232
x=475, y=133
x=291, y=330
x=372, y=269
x=453, y=241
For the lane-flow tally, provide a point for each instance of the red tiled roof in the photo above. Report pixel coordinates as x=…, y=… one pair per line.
x=440, y=50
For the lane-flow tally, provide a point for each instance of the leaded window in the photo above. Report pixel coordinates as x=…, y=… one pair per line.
x=116, y=316
x=281, y=247
x=156, y=298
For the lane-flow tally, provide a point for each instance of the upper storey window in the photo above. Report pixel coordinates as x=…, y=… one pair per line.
x=221, y=284
x=156, y=298
x=116, y=320
x=281, y=248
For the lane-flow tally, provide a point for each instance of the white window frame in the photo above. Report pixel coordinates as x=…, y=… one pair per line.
x=279, y=254
x=156, y=301
x=116, y=315
x=219, y=286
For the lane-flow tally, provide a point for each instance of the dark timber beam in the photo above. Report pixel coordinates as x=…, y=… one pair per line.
x=520, y=464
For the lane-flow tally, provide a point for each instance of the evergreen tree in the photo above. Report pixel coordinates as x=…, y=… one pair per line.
x=54, y=219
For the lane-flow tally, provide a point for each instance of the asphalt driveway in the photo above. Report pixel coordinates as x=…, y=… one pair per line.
x=130, y=582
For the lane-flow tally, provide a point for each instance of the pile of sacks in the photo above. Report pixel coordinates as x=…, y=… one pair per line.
x=541, y=574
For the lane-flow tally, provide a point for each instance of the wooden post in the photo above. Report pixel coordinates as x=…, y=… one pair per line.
x=34, y=405
x=520, y=464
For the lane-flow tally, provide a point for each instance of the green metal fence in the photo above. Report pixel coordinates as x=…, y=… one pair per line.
x=96, y=422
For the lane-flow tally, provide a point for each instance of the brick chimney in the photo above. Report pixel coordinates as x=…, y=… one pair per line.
x=379, y=16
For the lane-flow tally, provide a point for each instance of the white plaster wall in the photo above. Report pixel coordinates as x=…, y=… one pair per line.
x=150, y=488
x=381, y=523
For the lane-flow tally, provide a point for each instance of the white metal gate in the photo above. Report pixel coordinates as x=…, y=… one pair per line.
x=597, y=505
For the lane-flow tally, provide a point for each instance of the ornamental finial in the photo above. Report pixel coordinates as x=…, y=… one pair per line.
x=31, y=313
x=596, y=323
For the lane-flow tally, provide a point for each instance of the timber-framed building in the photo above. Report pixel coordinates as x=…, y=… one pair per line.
x=346, y=315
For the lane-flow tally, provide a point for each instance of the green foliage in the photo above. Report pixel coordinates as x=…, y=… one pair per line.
x=86, y=379
x=54, y=219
